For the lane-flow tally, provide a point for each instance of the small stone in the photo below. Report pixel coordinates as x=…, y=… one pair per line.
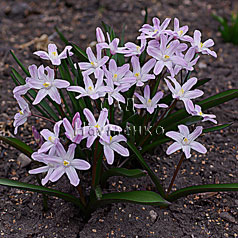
x=153, y=215
x=24, y=160
x=202, y=65
x=228, y=217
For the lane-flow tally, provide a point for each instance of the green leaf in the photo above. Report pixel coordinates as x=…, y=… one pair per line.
x=217, y=128
x=41, y=189
x=62, y=37
x=20, y=64
x=130, y=173
x=202, y=189
x=79, y=52
x=139, y=197
x=18, y=144
x=146, y=167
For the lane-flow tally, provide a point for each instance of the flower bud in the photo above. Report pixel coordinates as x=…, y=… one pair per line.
x=38, y=138
x=99, y=35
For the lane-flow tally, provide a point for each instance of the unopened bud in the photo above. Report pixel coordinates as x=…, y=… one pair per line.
x=99, y=35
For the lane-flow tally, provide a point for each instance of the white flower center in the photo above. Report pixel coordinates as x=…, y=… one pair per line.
x=149, y=102
x=181, y=92
x=54, y=55
x=94, y=64
x=185, y=141
x=138, y=48
x=51, y=139
x=180, y=32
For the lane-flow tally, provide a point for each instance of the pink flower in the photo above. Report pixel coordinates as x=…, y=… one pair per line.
x=46, y=84
x=94, y=62
x=52, y=54
x=202, y=47
x=184, y=93
x=91, y=90
x=74, y=132
x=100, y=128
x=21, y=117
x=149, y=104
x=52, y=139
x=165, y=55
x=185, y=141
x=206, y=117
x=112, y=146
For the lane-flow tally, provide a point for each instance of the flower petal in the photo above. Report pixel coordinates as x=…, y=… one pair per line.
x=198, y=147
x=174, y=147
x=72, y=175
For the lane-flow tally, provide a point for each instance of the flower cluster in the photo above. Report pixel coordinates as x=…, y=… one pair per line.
x=170, y=52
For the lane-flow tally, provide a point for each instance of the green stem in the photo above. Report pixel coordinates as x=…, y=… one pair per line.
x=34, y=115
x=157, y=123
x=82, y=197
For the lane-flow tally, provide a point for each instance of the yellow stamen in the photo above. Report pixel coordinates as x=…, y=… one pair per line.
x=21, y=112
x=180, y=33
x=166, y=57
x=168, y=46
x=181, y=91
x=149, y=100
x=66, y=163
x=47, y=84
x=185, y=140
x=97, y=126
x=138, y=47
x=115, y=76
x=90, y=88
x=110, y=138
x=51, y=138
x=54, y=53
x=155, y=30
x=201, y=44
x=92, y=63
x=200, y=113
x=137, y=74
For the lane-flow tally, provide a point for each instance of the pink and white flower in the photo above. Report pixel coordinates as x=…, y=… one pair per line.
x=21, y=117
x=185, y=141
x=74, y=132
x=52, y=54
x=91, y=90
x=65, y=163
x=100, y=128
x=94, y=62
x=149, y=104
x=183, y=92
x=52, y=139
x=112, y=146
x=46, y=84
x=202, y=47
x=206, y=117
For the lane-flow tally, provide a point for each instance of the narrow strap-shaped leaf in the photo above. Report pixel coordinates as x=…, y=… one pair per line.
x=20, y=64
x=18, y=144
x=41, y=189
x=79, y=52
x=217, y=128
x=130, y=173
x=138, y=197
x=202, y=189
x=146, y=167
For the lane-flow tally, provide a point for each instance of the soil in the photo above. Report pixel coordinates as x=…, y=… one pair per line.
x=204, y=215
